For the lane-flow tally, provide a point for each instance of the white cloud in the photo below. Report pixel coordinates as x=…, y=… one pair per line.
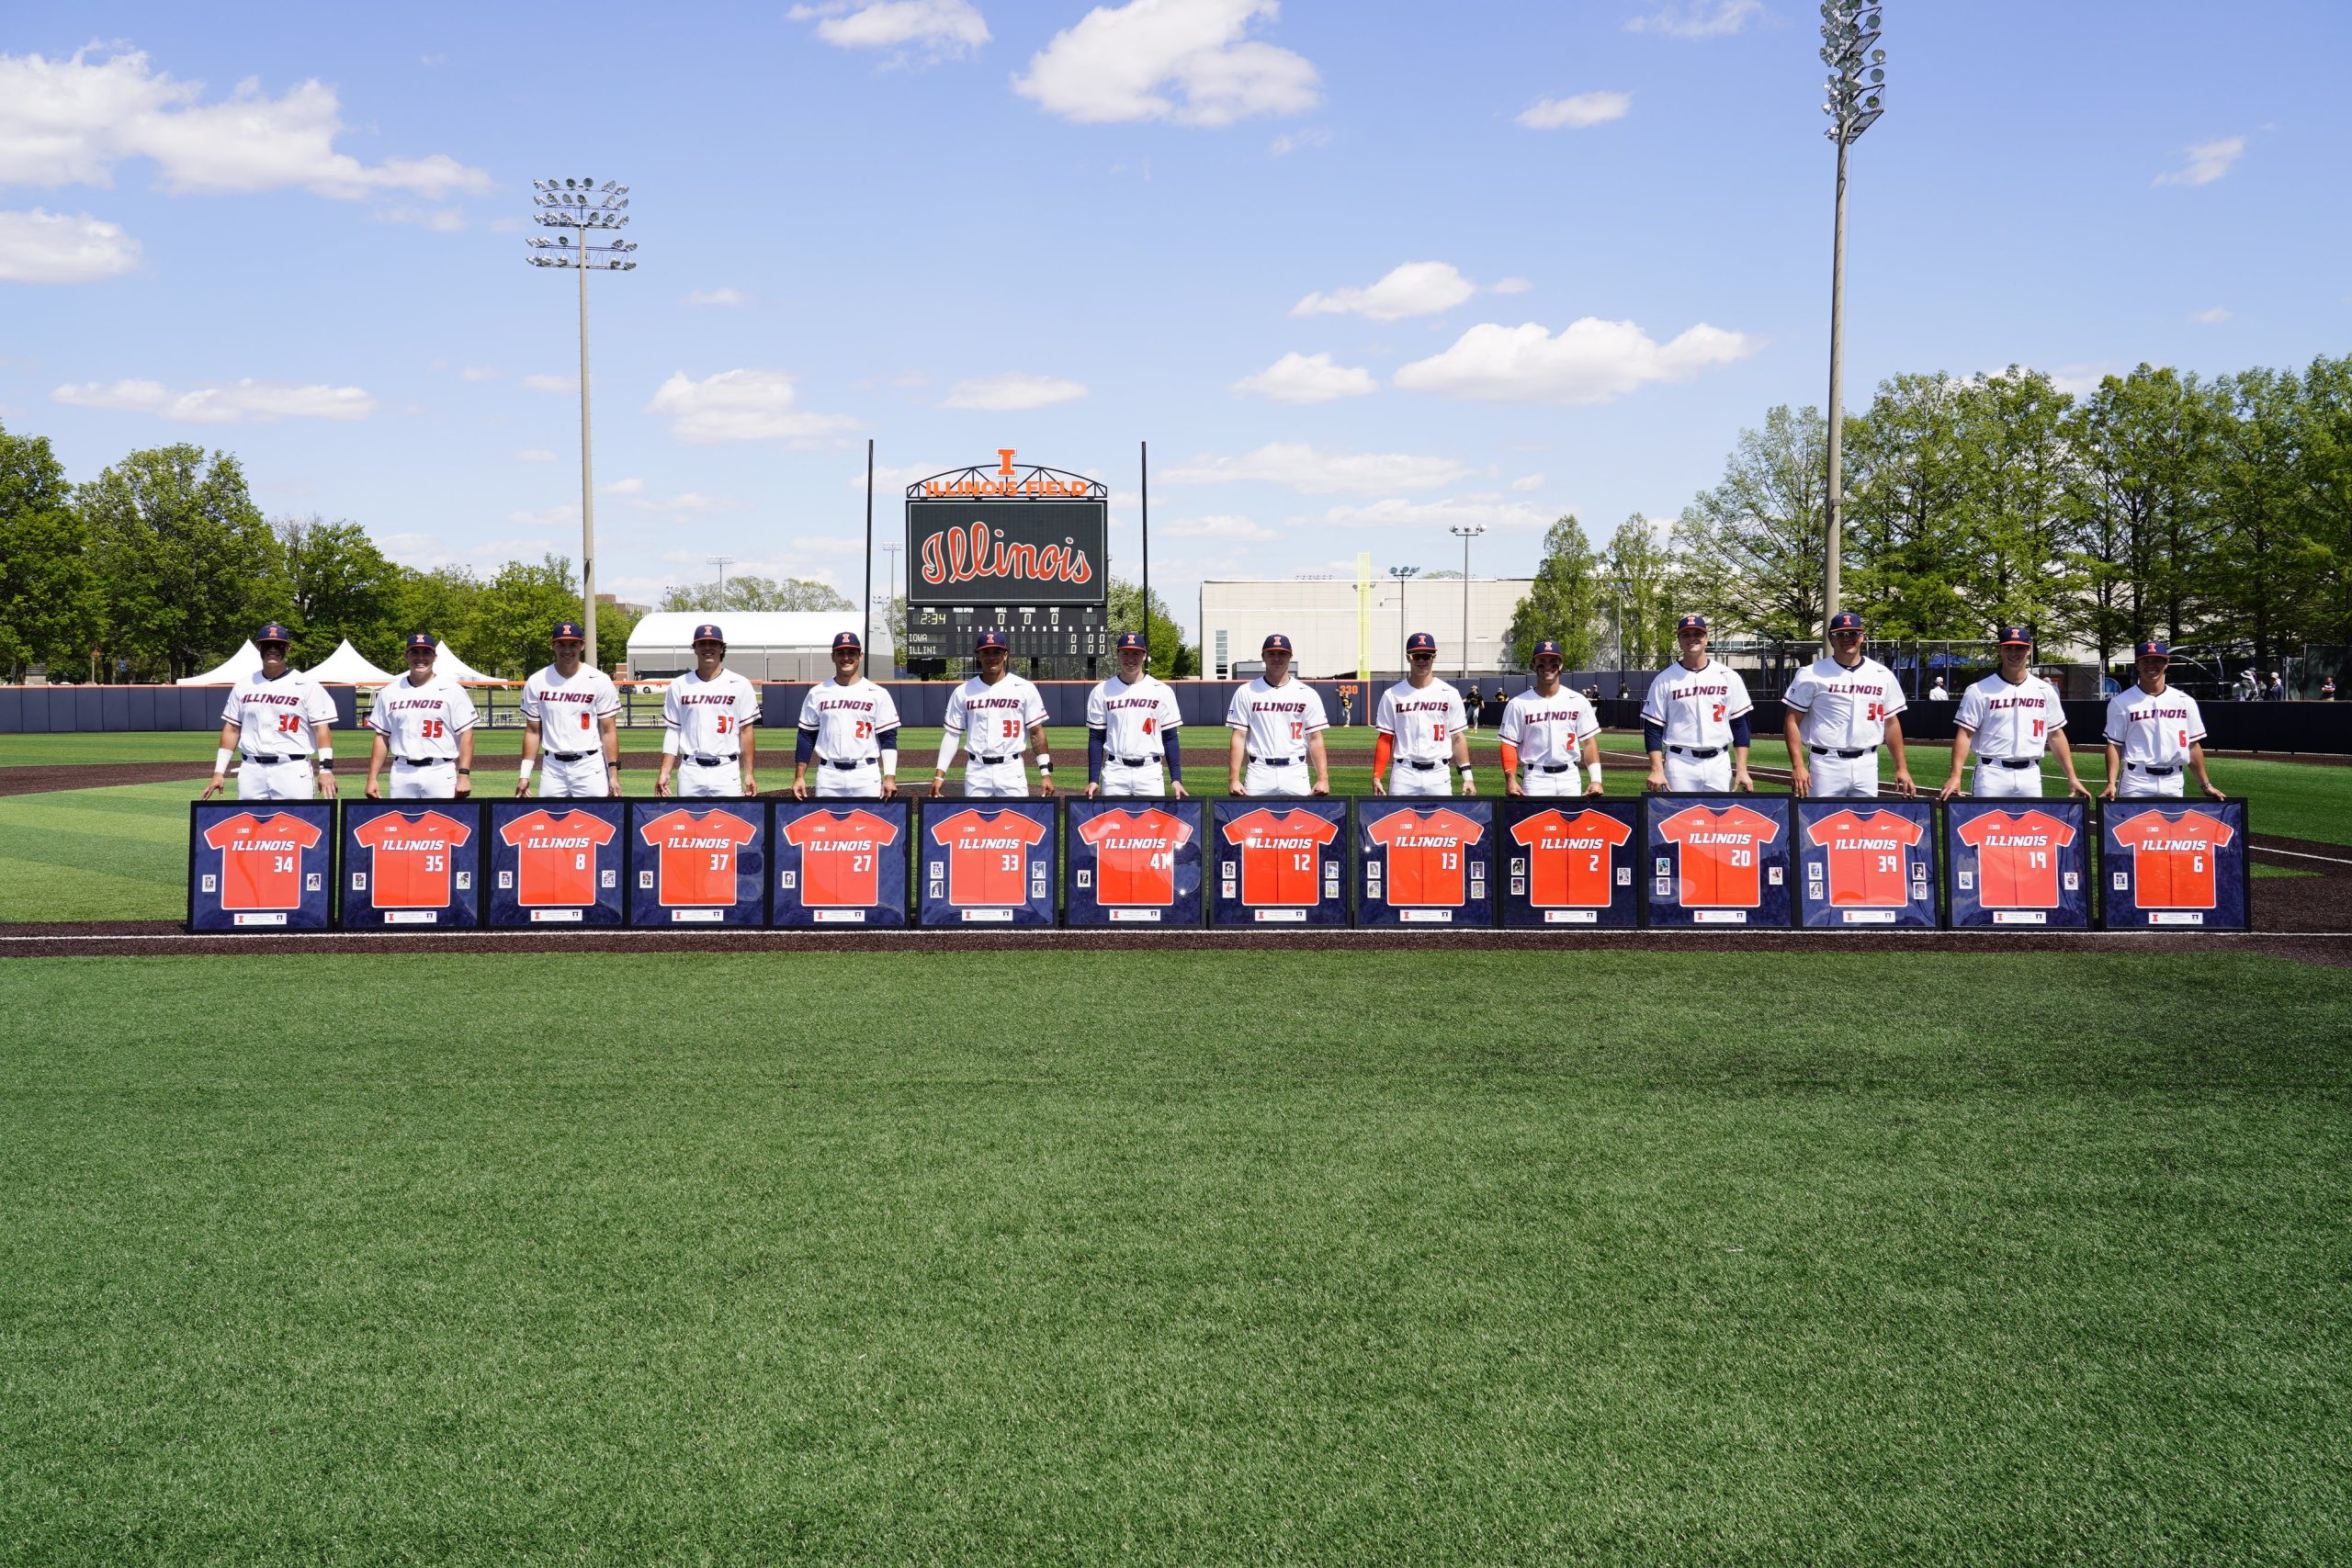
x=478, y=373
x=2212, y=316
x=741, y=405
x=552, y=383
x=440, y=220
x=942, y=28
x=1013, y=393
x=70, y=121
x=889, y=479
x=1510, y=285
x=535, y=455
x=1307, y=378
x=1527, y=481
x=1488, y=511
x=1312, y=472
x=2081, y=377
x=1415, y=288
x=715, y=297
x=565, y=516
x=2205, y=161
x=828, y=544
x=1187, y=61
x=687, y=501
x=1217, y=525
x=625, y=487
x=1696, y=18
x=1291, y=141
x=1589, y=361
x=247, y=401
x=1576, y=113
x=55, y=247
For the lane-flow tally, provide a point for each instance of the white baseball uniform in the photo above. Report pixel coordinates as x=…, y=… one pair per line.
x=1134, y=720
x=1423, y=720
x=273, y=720
x=1695, y=707
x=2154, y=731
x=993, y=724
x=1550, y=733
x=707, y=718
x=1842, y=717
x=1275, y=722
x=420, y=726
x=848, y=722
x=571, y=743
x=2009, y=726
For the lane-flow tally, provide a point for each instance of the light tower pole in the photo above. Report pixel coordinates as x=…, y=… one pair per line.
x=589, y=214
x=1857, y=97
x=1403, y=574
x=1465, y=532
x=722, y=563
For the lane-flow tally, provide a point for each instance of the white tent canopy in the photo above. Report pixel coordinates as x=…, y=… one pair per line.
x=346, y=666
x=231, y=670
x=446, y=662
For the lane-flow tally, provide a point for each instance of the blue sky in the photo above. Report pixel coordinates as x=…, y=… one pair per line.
x=955, y=225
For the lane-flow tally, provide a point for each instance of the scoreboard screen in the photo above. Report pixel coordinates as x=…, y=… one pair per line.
x=1007, y=552
x=1035, y=631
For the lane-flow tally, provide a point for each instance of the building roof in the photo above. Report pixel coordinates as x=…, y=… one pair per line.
x=745, y=628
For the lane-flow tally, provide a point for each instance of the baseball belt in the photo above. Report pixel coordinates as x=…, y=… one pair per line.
x=1278, y=762
x=1137, y=761
x=2151, y=769
x=847, y=767
x=701, y=761
x=1423, y=767
x=1836, y=751
x=423, y=761
x=572, y=756
x=1553, y=767
x=993, y=761
x=273, y=762
x=2009, y=761
x=1701, y=753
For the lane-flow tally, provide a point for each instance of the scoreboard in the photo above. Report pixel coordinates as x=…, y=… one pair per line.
x=1035, y=631
x=1023, y=549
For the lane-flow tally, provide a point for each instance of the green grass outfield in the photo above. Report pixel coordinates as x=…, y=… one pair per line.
x=120, y=853
x=1648, y=1257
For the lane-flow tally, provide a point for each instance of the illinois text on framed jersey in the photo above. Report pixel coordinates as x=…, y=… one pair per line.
x=1133, y=862
x=1717, y=859
x=840, y=862
x=557, y=861
x=1426, y=861
x=988, y=861
x=1569, y=862
x=259, y=865
x=2018, y=863
x=1279, y=861
x=697, y=862
x=1864, y=864
x=410, y=863
x=2175, y=864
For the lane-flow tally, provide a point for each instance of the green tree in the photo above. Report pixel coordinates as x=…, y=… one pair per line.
x=185, y=565
x=1751, y=548
x=341, y=586
x=1638, y=579
x=2024, y=484
x=2263, y=565
x=2138, y=543
x=750, y=595
x=506, y=634
x=1562, y=603
x=1907, y=491
x=2326, y=485
x=1169, y=658
x=48, y=609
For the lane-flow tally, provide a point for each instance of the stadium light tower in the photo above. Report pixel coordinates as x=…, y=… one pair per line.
x=1465, y=532
x=1850, y=32
x=1403, y=574
x=592, y=217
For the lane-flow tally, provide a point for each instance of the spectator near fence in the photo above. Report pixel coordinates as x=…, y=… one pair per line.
x=1936, y=694
x=2327, y=690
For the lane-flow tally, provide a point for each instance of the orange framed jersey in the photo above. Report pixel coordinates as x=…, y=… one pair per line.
x=410, y=864
x=989, y=863
x=258, y=865
x=702, y=861
x=2016, y=863
x=840, y=862
x=1865, y=863
x=1426, y=865
x=1133, y=863
x=1568, y=862
x=557, y=863
x=1718, y=860
x=2175, y=864
x=1279, y=861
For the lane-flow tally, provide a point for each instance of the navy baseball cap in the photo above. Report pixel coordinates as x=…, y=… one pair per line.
x=1420, y=642
x=1691, y=624
x=1275, y=643
x=421, y=639
x=2153, y=647
x=1547, y=648
x=567, y=631
x=273, y=632
x=1845, y=621
x=991, y=639
x=1131, y=639
x=2012, y=636
x=710, y=632
x=847, y=640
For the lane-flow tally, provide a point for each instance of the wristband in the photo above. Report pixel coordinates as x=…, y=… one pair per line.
x=1593, y=772
x=326, y=756
x=889, y=761
x=1466, y=777
x=523, y=772
x=220, y=761
x=465, y=772
x=1044, y=761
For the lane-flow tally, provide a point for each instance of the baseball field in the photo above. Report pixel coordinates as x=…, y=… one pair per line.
x=1690, y=1254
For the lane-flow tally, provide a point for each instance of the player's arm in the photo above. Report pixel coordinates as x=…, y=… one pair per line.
x=887, y=743
x=950, y=737
x=2065, y=750
x=222, y=758
x=1960, y=739
x=2197, y=762
x=748, y=742
x=322, y=739
x=1741, y=739
x=804, y=749
x=1235, y=754
x=1510, y=767
x=1902, y=763
x=1461, y=760
x=375, y=749
x=2114, y=770
x=1383, y=753
x=466, y=760
x=530, y=755
x=609, y=741
x=1320, y=762
x=1793, y=729
x=1654, y=742
x=1095, y=746
x=1038, y=748
x=670, y=740
x=1592, y=785
x=1173, y=750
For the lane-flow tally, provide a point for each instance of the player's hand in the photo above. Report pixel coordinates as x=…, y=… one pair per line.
x=1657, y=781
x=1596, y=788
x=661, y=785
x=1951, y=787
x=1801, y=780
x=1046, y=787
x=2108, y=793
x=2077, y=786
x=938, y=786
x=1379, y=785
x=890, y=787
x=800, y=789
x=465, y=785
x=217, y=783
x=1093, y=789
x=2212, y=791
x=1470, y=786
x=521, y=787
x=1320, y=786
x=1902, y=781
x=1233, y=786
x=1510, y=784
x=751, y=787
x=375, y=793
x=327, y=784
x=1176, y=789
x=1741, y=781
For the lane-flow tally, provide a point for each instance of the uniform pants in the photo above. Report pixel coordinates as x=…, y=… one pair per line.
x=583, y=780
x=2138, y=785
x=1844, y=778
x=1711, y=774
x=276, y=781
x=1263, y=779
x=1403, y=780
x=1537, y=782
x=438, y=781
x=849, y=783
x=1008, y=780
x=1118, y=779
x=2008, y=784
x=695, y=780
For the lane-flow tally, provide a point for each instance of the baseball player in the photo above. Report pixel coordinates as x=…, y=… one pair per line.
x=276, y=717
x=424, y=723
x=999, y=716
x=1277, y=725
x=710, y=717
x=1839, y=710
x=849, y=727
x=1422, y=726
x=2154, y=733
x=1694, y=721
x=1131, y=731
x=571, y=719
x=1544, y=730
x=2013, y=716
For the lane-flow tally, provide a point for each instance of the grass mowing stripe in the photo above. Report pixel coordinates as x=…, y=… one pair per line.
x=1534, y=1259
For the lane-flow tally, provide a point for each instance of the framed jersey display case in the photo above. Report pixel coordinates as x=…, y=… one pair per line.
x=1865, y=864
x=1279, y=861
x=1717, y=859
x=1133, y=862
x=988, y=861
x=411, y=862
x=2018, y=863
x=1568, y=860
x=1425, y=861
x=2175, y=865
x=557, y=861
x=840, y=862
x=697, y=862
x=260, y=865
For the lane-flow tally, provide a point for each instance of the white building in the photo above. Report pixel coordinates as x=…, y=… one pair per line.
x=777, y=645
x=1331, y=632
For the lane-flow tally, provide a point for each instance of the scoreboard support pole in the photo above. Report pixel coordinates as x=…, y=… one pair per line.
x=1143, y=463
x=869, y=553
